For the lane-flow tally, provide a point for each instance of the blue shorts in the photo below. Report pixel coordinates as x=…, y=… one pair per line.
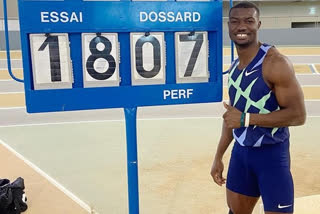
x=263, y=171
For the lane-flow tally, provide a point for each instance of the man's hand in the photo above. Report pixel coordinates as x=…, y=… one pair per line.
x=216, y=172
x=232, y=116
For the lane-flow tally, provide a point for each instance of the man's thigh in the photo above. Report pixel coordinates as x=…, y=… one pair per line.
x=242, y=185
x=240, y=204
x=271, y=166
x=277, y=191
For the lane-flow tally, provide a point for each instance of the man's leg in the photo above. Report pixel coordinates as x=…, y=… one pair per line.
x=277, y=191
x=275, y=179
x=240, y=204
x=242, y=186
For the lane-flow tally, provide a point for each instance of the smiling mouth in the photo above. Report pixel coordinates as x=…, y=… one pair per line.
x=242, y=36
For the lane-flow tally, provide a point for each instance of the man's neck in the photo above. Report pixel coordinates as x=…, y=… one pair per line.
x=247, y=54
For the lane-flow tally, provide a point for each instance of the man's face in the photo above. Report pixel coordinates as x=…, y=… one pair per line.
x=243, y=26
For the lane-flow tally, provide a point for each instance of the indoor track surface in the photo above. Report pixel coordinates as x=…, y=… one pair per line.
x=75, y=162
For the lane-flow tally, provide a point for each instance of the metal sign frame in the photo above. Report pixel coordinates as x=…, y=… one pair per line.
x=122, y=17
x=81, y=17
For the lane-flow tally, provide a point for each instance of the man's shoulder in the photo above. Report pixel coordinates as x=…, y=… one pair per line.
x=276, y=66
x=274, y=58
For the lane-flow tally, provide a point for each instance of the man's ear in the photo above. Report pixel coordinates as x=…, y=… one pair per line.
x=259, y=24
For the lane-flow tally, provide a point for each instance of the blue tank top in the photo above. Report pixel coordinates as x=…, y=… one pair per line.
x=248, y=92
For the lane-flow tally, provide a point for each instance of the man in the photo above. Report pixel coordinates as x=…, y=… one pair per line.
x=265, y=98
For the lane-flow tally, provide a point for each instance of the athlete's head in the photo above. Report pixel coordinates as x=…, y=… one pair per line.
x=244, y=24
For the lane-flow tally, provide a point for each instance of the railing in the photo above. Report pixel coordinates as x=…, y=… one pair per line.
x=6, y=30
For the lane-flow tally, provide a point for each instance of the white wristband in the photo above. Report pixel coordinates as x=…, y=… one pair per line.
x=247, y=121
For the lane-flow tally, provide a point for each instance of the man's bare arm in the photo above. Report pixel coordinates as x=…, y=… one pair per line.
x=279, y=74
x=224, y=142
x=217, y=166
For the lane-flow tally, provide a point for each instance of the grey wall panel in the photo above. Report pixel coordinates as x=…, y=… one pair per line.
x=12, y=7
x=280, y=14
x=14, y=40
x=293, y=36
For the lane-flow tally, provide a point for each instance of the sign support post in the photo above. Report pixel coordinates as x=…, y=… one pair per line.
x=232, y=44
x=132, y=159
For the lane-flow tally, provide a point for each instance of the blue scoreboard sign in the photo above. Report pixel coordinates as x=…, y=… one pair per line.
x=92, y=54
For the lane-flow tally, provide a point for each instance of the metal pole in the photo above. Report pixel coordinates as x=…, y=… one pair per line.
x=232, y=45
x=5, y=15
x=132, y=159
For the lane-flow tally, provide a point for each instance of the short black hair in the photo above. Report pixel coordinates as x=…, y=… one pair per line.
x=246, y=4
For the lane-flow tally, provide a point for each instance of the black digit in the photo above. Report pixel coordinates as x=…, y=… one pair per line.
x=198, y=37
x=96, y=54
x=54, y=53
x=156, y=56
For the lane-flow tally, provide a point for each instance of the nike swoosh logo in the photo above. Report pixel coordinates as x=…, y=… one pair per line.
x=249, y=73
x=282, y=207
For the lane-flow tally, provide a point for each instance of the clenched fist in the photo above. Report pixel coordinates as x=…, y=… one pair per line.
x=232, y=116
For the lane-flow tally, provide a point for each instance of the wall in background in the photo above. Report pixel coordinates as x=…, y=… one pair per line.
x=12, y=6
x=282, y=14
x=289, y=37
